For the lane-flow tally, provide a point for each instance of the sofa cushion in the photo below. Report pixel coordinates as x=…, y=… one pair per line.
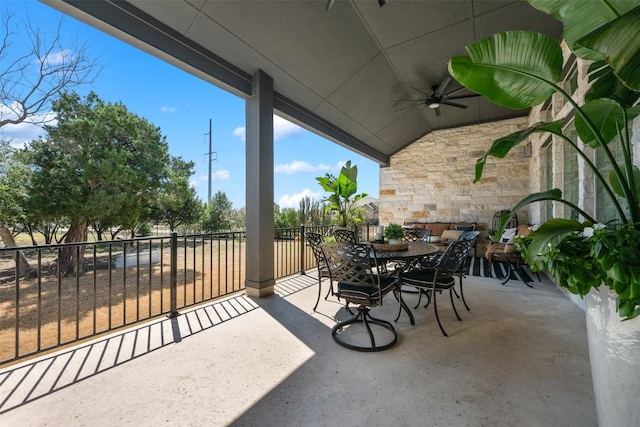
x=507, y=235
x=450, y=235
x=436, y=228
x=523, y=230
x=464, y=226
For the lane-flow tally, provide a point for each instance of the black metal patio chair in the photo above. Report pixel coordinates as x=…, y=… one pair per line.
x=345, y=235
x=353, y=266
x=314, y=240
x=441, y=276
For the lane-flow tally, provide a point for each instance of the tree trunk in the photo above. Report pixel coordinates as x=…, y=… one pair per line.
x=71, y=260
x=10, y=242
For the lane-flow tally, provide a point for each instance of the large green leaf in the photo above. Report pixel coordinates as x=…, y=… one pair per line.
x=501, y=147
x=616, y=185
x=619, y=45
x=608, y=118
x=553, y=194
x=580, y=17
x=349, y=172
x=551, y=232
x=606, y=115
x=517, y=69
x=605, y=84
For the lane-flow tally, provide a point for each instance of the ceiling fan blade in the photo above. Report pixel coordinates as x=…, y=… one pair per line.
x=454, y=104
x=457, y=90
x=475, y=95
x=443, y=86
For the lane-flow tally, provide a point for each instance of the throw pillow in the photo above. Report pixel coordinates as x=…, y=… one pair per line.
x=451, y=234
x=507, y=234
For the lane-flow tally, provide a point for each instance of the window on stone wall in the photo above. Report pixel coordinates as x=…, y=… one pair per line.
x=605, y=209
x=548, y=157
x=570, y=75
x=570, y=176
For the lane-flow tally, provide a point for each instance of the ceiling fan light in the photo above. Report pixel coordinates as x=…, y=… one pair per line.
x=434, y=105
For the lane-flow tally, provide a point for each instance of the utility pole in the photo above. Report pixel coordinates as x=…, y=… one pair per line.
x=211, y=159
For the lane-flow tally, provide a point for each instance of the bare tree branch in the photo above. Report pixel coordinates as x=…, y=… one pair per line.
x=37, y=67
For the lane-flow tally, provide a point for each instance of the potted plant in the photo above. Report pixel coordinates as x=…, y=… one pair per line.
x=394, y=233
x=520, y=70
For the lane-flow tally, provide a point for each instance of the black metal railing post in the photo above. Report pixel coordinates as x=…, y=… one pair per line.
x=17, y=305
x=303, y=245
x=174, y=276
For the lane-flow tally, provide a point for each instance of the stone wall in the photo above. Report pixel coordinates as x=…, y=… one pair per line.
x=432, y=179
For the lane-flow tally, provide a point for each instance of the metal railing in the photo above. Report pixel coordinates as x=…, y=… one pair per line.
x=112, y=284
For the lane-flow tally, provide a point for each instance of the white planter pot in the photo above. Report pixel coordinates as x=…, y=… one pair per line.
x=614, y=352
x=395, y=241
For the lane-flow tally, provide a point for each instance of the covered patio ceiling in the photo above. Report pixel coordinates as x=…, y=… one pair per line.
x=337, y=72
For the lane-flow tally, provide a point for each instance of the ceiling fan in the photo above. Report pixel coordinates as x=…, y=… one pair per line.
x=438, y=97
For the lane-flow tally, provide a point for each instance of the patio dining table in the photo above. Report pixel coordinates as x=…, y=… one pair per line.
x=414, y=251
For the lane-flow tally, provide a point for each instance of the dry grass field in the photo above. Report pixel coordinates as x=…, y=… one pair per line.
x=52, y=310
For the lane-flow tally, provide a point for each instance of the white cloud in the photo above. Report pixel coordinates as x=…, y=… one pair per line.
x=293, y=201
x=240, y=133
x=166, y=109
x=300, y=166
x=282, y=128
x=58, y=58
x=221, y=175
x=23, y=132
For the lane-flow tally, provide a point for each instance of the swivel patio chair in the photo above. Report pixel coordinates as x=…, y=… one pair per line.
x=439, y=277
x=504, y=251
x=353, y=266
x=314, y=240
x=345, y=235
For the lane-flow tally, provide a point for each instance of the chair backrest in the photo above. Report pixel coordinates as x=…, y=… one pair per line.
x=454, y=256
x=415, y=234
x=353, y=265
x=345, y=235
x=314, y=238
x=469, y=235
x=495, y=221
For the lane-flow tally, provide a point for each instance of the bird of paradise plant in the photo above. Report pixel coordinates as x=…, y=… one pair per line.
x=342, y=192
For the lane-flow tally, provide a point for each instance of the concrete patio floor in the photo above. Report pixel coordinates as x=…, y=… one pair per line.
x=518, y=358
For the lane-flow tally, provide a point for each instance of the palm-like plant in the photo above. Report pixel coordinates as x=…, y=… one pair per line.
x=520, y=70
x=342, y=192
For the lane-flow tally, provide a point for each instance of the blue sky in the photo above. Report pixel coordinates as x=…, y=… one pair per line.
x=181, y=105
